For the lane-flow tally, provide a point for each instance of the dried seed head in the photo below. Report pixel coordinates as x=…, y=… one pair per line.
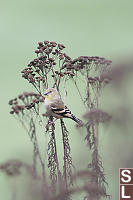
x=46, y=41
x=97, y=115
x=61, y=57
x=40, y=50
x=53, y=44
x=12, y=112
x=51, y=59
x=10, y=102
x=40, y=44
x=54, y=53
x=37, y=51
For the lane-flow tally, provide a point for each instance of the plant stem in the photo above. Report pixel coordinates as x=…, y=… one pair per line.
x=64, y=146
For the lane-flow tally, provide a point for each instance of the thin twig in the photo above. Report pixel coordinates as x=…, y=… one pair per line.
x=79, y=93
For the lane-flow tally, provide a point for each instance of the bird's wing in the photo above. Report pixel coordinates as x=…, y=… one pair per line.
x=60, y=109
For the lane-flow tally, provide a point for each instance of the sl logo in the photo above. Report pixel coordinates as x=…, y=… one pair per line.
x=126, y=184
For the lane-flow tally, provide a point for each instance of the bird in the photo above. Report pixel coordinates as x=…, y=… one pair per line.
x=55, y=107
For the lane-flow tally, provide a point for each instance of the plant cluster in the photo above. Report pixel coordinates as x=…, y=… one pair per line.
x=52, y=67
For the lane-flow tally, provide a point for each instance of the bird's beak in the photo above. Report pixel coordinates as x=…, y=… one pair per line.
x=45, y=94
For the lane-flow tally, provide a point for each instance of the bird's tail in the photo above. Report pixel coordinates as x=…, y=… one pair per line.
x=76, y=120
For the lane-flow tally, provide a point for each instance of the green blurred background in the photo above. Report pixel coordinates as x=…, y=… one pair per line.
x=88, y=27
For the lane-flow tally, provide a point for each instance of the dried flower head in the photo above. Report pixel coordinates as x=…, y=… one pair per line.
x=97, y=116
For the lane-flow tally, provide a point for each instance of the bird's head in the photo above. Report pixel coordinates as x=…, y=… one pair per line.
x=51, y=94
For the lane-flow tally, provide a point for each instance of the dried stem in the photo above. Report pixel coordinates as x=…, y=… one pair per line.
x=52, y=156
x=67, y=168
x=83, y=101
x=64, y=145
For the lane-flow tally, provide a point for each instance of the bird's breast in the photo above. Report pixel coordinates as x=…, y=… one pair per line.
x=46, y=103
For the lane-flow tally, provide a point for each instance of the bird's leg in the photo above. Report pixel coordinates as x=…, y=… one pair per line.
x=51, y=121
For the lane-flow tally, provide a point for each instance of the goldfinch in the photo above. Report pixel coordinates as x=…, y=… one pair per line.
x=55, y=106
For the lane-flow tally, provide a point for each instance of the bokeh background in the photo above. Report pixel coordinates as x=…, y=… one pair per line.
x=88, y=27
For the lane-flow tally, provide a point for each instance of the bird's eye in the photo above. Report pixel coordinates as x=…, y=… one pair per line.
x=49, y=92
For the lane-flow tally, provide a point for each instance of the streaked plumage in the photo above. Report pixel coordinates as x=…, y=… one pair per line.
x=55, y=106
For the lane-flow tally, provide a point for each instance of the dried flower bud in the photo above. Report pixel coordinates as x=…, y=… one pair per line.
x=44, y=47
x=37, y=51
x=53, y=44
x=54, y=53
x=47, y=52
x=20, y=96
x=40, y=44
x=29, y=64
x=67, y=57
x=31, y=80
x=10, y=102
x=41, y=50
x=72, y=74
x=56, y=72
x=32, y=104
x=47, y=62
x=26, y=94
x=57, y=51
x=27, y=107
x=12, y=112
x=51, y=59
x=61, y=74
x=16, y=111
x=61, y=57
x=63, y=46
x=37, y=101
x=37, y=70
x=46, y=41
x=49, y=45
